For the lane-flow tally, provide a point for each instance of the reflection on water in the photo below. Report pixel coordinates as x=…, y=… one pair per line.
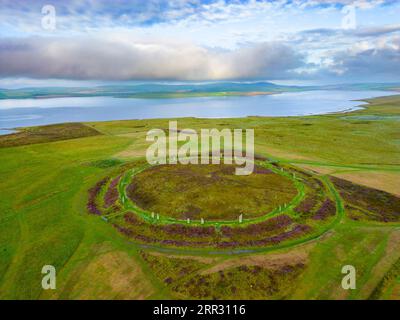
x=31, y=112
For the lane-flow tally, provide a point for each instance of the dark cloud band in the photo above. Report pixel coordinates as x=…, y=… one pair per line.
x=124, y=60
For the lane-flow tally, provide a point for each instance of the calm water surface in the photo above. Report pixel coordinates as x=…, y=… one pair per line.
x=31, y=112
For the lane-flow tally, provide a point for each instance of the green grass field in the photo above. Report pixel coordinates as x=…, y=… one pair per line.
x=46, y=174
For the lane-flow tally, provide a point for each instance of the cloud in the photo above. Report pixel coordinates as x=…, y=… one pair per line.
x=256, y=39
x=366, y=60
x=376, y=30
x=111, y=59
x=361, y=31
x=86, y=14
x=362, y=4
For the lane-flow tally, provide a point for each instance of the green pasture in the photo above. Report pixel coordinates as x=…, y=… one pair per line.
x=44, y=183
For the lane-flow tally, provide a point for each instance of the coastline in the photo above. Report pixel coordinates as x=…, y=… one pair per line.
x=361, y=107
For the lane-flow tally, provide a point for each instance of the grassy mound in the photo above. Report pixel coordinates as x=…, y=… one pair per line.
x=212, y=192
x=309, y=211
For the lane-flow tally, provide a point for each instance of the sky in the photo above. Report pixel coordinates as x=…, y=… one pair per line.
x=87, y=41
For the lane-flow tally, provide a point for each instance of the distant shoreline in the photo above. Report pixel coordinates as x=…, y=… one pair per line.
x=183, y=90
x=360, y=107
x=154, y=95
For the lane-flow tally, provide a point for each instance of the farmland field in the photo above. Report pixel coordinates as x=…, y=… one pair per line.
x=324, y=194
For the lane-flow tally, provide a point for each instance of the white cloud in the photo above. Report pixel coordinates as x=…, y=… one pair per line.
x=366, y=60
x=122, y=59
x=187, y=39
